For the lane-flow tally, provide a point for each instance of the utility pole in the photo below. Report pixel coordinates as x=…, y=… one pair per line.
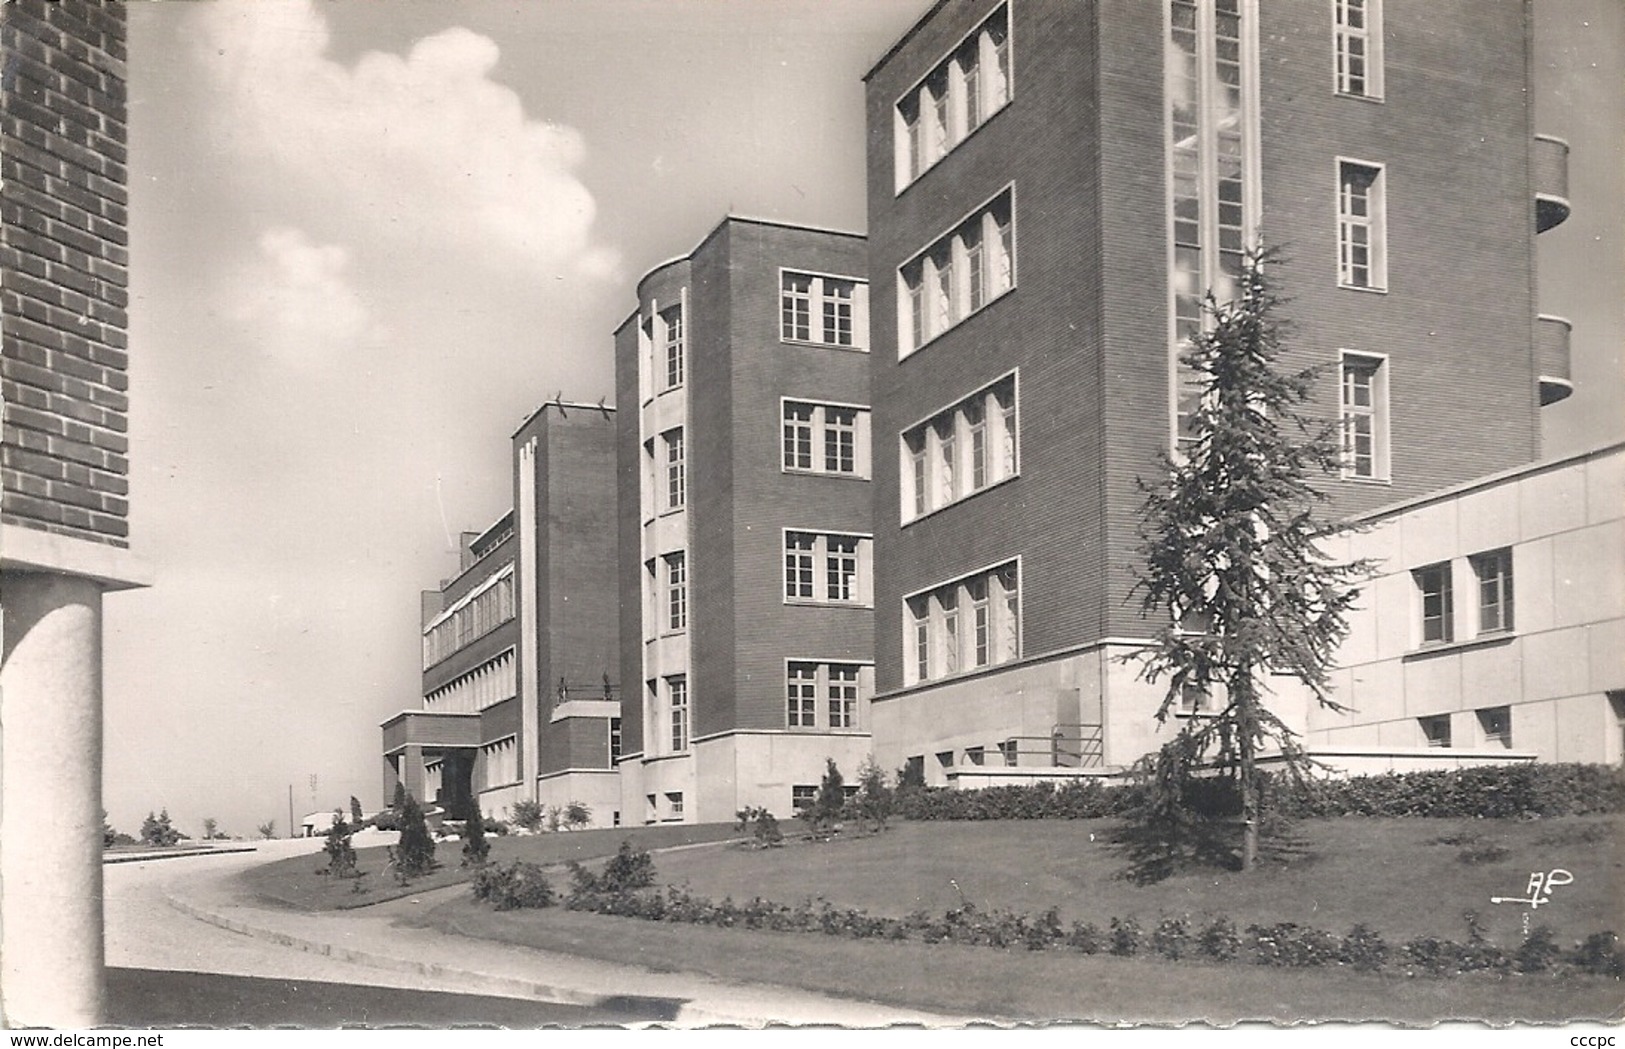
x=290, y=810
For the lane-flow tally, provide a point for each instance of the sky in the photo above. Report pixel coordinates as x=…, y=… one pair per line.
x=367, y=239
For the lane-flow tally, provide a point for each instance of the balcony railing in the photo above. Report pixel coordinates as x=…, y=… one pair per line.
x=1551, y=182
x=1552, y=358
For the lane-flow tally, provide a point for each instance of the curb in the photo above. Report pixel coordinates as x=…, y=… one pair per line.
x=125, y=857
x=516, y=987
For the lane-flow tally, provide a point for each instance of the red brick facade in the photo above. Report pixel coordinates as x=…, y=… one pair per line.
x=64, y=261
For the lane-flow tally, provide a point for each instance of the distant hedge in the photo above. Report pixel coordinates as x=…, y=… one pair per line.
x=1488, y=792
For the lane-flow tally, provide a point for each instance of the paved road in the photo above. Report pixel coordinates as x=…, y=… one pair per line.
x=178, y=915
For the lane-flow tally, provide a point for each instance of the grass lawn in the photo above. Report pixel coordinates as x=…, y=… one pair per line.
x=294, y=882
x=1404, y=878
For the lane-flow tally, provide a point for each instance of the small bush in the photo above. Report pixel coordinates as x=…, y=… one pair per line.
x=1294, y=945
x=762, y=824
x=576, y=815
x=1600, y=955
x=1539, y=951
x=387, y=820
x=267, y=830
x=340, y=853
x=414, y=852
x=1219, y=939
x=1172, y=938
x=1126, y=938
x=1365, y=949
x=875, y=800
x=156, y=830
x=1085, y=938
x=529, y=815
x=518, y=885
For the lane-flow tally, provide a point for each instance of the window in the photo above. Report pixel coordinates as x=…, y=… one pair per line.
x=843, y=695
x=1496, y=723
x=802, y=689
x=672, y=321
x=958, y=96
x=1010, y=753
x=826, y=438
x=1438, y=612
x=1361, y=227
x=677, y=696
x=501, y=760
x=1436, y=730
x=470, y=617
x=676, y=592
x=846, y=577
x=798, y=565
x=824, y=310
x=960, y=450
x=617, y=740
x=803, y=796
x=1194, y=701
x=958, y=275
x=1212, y=124
x=1357, y=31
x=1494, y=572
x=674, y=804
x=975, y=755
x=969, y=623
x=676, y=473
x=1363, y=402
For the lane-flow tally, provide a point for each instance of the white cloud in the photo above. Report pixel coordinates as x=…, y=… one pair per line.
x=297, y=301
x=427, y=147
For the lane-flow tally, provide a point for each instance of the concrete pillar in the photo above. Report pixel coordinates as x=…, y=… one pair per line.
x=50, y=800
x=392, y=776
x=412, y=773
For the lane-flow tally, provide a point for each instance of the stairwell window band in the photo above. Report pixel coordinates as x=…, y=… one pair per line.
x=942, y=645
x=958, y=274
x=1357, y=48
x=962, y=91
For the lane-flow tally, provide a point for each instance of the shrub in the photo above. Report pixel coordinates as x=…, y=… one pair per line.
x=630, y=868
x=211, y=829
x=1365, y=949
x=1294, y=945
x=762, y=824
x=875, y=800
x=267, y=830
x=156, y=830
x=1126, y=938
x=414, y=853
x=518, y=885
x=387, y=820
x=476, y=850
x=355, y=811
x=576, y=815
x=1219, y=939
x=528, y=815
x=1432, y=955
x=1539, y=951
x=340, y=853
x=1172, y=938
x=1600, y=955
x=1085, y=938
x=822, y=814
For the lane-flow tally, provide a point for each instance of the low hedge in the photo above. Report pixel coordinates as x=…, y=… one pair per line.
x=1488, y=792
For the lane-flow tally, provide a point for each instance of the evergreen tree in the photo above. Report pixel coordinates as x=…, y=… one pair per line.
x=398, y=803
x=414, y=853
x=475, y=848
x=157, y=830
x=340, y=853
x=875, y=799
x=1232, y=562
x=355, y=811
x=827, y=804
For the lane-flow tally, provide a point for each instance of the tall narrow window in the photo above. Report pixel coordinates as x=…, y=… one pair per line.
x=798, y=565
x=1211, y=125
x=616, y=740
x=1364, y=412
x=843, y=695
x=838, y=312
x=798, y=436
x=949, y=603
x=673, y=321
x=1357, y=32
x=960, y=450
x=1438, y=606
x=915, y=444
x=676, y=470
x=676, y=592
x=840, y=440
x=1494, y=571
x=955, y=98
x=677, y=688
x=981, y=622
x=796, y=322
x=919, y=620
x=959, y=274
x=1361, y=235
x=841, y=562
x=802, y=691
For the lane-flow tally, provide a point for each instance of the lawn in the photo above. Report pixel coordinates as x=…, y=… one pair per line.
x=295, y=882
x=1404, y=878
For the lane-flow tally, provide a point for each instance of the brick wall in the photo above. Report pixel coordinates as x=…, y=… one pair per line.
x=64, y=269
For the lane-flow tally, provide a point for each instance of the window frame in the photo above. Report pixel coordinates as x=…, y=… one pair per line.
x=674, y=352
x=1375, y=222
x=939, y=663
x=817, y=560
x=1430, y=724
x=674, y=443
x=818, y=429
x=996, y=447
x=1444, y=594
x=1377, y=365
x=679, y=713
x=917, y=301
x=1486, y=719
x=1501, y=561
x=675, y=588
x=908, y=167
x=818, y=299
x=1372, y=35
